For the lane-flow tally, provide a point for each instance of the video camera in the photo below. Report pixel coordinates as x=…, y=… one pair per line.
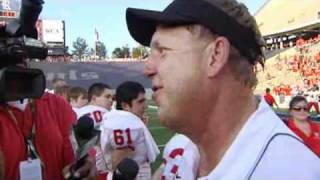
x=18, y=42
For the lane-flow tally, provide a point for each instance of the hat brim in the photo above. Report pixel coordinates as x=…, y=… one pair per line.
x=142, y=23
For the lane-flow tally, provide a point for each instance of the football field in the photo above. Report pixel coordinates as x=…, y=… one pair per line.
x=160, y=133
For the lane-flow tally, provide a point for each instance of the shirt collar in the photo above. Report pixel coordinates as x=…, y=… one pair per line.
x=21, y=104
x=242, y=155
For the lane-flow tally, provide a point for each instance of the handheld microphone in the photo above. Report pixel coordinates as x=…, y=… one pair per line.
x=84, y=129
x=127, y=169
x=87, y=137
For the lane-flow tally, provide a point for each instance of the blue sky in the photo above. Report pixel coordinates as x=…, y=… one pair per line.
x=108, y=16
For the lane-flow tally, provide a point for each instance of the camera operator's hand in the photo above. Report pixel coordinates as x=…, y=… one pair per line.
x=87, y=171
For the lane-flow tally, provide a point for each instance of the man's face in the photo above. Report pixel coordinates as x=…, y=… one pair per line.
x=175, y=67
x=104, y=100
x=138, y=105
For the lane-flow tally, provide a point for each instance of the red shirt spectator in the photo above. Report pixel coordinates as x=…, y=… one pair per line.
x=269, y=98
x=317, y=57
x=288, y=90
x=312, y=140
x=299, y=42
x=276, y=90
x=282, y=89
x=54, y=117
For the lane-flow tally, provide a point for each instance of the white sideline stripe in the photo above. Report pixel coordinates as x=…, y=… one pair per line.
x=156, y=128
x=153, y=107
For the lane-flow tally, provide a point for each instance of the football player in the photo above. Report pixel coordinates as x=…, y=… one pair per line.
x=100, y=102
x=180, y=160
x=124, y=134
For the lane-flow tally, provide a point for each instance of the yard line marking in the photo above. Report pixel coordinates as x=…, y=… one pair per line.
x=156, y=128
x=153, y=107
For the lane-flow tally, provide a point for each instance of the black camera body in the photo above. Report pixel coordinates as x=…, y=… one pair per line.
x=18, y=42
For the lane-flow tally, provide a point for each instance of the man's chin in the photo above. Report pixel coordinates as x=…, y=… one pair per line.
x=167, y=122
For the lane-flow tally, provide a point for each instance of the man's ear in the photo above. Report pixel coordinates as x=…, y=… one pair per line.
x=218, y=54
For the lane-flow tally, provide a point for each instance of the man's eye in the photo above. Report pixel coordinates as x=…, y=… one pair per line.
x=163, y=52
x=158, y=51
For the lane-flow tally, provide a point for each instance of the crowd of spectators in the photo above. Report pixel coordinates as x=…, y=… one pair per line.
x=301, y=68
x=305, y=61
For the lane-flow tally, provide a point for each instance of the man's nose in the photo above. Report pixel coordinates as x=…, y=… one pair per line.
x=150, y=67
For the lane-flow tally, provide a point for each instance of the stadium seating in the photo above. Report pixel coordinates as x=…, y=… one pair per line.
x=289, y=69
x=293, y=13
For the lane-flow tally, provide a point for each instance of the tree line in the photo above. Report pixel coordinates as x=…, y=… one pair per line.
x=81, y=50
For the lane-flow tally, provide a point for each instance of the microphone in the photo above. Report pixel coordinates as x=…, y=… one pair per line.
x=86, y=138
x=84, y=129
x=127, y=169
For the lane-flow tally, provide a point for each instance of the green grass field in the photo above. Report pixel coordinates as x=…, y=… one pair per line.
x=160, y=133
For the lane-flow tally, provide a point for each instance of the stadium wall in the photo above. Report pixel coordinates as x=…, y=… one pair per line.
x=85, y=73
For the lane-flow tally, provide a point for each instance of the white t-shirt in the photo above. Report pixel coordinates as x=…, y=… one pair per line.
x=95, y=112
x=181, y=159
x=49, y=90
x=122, y=129
x=22, y=104
x=265, y=149
x=313, y=96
